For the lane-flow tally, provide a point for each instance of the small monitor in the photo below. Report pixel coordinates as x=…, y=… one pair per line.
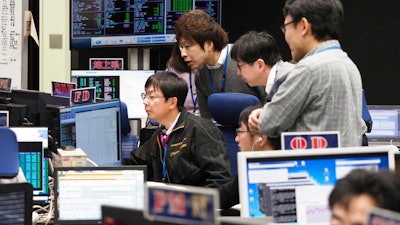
x=385, y=124
x=95, y=128
x=81, y=191
x=4, y=118
x=33, y=145
x=126, y=85
x=293, y=186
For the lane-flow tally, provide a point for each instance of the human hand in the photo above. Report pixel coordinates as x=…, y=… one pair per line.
x=253, y=121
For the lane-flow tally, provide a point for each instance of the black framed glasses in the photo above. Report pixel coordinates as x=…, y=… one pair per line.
x=149, y=97
x=283, y=26
x=238, y=131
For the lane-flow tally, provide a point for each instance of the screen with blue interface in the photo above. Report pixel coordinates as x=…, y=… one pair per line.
x=385, y=122
x=33, y=143
x=95, y=128
x=293, y=186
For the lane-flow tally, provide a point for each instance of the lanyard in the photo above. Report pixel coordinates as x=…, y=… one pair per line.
x=194, y=99
x=164, y=141
x=330, y=48
x=224, y=74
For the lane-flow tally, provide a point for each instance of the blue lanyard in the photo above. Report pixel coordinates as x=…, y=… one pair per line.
x=330, y=48
x=164, y=141
x=277, y=68
x=164, y=166
x=224, y=75
x=194, y=99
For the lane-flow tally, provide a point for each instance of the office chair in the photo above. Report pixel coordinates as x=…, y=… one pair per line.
x=16, y=204
x=225, y=109
x=9, y=160
x=365, y=113
x=128, y=141
x=367, y=119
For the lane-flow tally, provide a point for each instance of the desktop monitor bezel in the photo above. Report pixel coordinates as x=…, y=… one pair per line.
x=244, y=157
x=131, y=85
x=87, y=108
x=384, y=138
x=5, y=114
x=31, y=135
x=57, y=170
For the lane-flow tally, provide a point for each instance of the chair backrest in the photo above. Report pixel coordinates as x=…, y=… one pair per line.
x=9, y=161
x=16, y=203
x=225, y=109
x=125, y=125
x=365, y=113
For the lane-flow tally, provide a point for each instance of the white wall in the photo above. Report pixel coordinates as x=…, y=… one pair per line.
x=55, y=63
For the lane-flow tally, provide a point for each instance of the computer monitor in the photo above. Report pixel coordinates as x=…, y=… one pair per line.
x=96, y=24
x=95, y=128
x=4, y=118
x=33, y=144
x=81, y=191
x=126, y=85
x=29, y=107
x=385, y=123
x=293, y=186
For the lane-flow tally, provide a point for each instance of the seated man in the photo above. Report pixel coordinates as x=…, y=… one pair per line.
x=359, y=191
x=247, y=141
x=185, y=149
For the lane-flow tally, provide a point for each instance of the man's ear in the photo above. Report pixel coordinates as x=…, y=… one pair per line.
x=208, y=45
x=173, y=102
x=264, y=140
x=305, y=25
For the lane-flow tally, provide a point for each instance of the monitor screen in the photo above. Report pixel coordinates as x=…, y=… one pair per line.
x=108, y=23
x=33, y=144
x=81, y=191
x=126, y=85
x=293, y=186
x=385, y=122
x=95, y=128
x=4, y=118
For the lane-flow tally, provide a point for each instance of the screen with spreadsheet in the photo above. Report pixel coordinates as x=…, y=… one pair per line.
x=95, y=128
x=81, y=191
x=293, y=186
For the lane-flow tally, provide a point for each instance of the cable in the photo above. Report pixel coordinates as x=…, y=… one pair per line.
x=92, y=162
x=258, y=140
x=46, y=213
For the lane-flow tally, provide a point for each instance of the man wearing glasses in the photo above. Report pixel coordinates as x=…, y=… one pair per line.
x=323, y=92
x=186, y=149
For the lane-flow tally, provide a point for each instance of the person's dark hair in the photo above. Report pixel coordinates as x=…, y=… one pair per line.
x=196, y=25
x=325, y=16
x=380, y=185
x=244, y=118
x=170, y=85
x=254, y=45
x=177, y=62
